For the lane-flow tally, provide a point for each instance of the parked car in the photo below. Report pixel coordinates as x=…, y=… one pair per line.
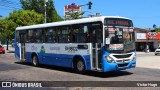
x=157, y=51
x=2, y=50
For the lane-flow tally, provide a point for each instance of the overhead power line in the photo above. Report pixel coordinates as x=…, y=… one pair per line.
x=9, y=4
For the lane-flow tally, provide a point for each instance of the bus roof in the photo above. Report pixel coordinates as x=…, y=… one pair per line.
x=68, y=22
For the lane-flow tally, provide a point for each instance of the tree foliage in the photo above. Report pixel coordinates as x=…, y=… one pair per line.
x=75, y=15
x=7, y=28
x=38, y=6
x=157, y=29
x=15, y=19
x=26, y=17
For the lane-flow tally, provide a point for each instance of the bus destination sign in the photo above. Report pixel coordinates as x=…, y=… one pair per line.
x=118, y=22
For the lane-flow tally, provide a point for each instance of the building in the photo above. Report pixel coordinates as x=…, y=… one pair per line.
x=70, y=9
x=146, y=37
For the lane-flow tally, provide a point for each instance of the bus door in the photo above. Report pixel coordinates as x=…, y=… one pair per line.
x=22, y=36
x=96, y=34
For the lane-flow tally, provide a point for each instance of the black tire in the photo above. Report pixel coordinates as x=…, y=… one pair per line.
x=79, y=66
x=35, y=61
x=155, y=54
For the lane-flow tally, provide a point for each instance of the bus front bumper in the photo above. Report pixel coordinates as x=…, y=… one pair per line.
x=118, y=66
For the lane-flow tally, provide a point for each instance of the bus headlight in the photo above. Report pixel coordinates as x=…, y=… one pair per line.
x=134, y=57
x=109, y=59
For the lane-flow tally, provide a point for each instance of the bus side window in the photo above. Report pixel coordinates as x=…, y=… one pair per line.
x=17, y=36
x=30, y=36
x=71, y=37
x=58, y=35
x=43, y=35
x=87, y=38
x=38, y=37
x=96, y=33
x=49, y=35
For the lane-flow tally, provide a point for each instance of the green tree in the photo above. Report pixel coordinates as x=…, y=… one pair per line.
x=7, y=30
x=157, y=29
x=75, y=15
x=38, y=6
x=26, y=17
x=15, y=19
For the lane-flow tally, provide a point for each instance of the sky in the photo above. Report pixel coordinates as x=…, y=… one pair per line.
x=144, y=13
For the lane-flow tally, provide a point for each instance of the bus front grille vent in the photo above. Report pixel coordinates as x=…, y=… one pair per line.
x=122, y=56
x=124, y=60
x=122, y=65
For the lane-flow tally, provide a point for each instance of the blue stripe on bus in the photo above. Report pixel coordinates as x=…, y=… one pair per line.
x=17, y=52
x=58, y=59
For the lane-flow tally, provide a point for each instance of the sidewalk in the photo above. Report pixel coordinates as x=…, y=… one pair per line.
x=138, y=52
x=10, y=49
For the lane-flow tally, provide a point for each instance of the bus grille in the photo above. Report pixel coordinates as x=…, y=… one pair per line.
x=122, y=56
x=124, y=60
x=122, y=65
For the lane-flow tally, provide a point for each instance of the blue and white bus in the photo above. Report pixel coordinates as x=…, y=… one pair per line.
x=105, y=43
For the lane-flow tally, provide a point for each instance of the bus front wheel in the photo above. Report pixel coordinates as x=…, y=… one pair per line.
x=35, y=61
x=79, y=66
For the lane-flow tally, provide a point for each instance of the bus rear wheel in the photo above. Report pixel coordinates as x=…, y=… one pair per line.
x=79, y=66
x=35, y=61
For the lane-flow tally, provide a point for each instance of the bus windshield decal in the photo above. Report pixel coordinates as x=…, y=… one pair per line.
x=116, y=46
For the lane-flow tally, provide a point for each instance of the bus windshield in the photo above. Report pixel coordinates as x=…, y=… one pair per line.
x=120, y=38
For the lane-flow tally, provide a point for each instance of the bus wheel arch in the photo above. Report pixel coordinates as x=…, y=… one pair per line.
x=79, y=64
x=35, y=59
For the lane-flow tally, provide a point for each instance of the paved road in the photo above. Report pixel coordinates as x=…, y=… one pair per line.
x=148, y=60
x=12, y=70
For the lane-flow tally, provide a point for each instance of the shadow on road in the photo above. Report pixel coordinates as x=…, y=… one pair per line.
x=88, y=73
x=10, y=51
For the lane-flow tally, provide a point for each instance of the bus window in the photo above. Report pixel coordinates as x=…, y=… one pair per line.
x=87, y=38
x=30, y=36
x=17, y=36
x=79, y=32
x=49, y=35
x=71, y=37
x=38, y=35
x=96, y=33
x=64, y=35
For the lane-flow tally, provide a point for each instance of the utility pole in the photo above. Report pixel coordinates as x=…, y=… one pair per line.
x=45, y=13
